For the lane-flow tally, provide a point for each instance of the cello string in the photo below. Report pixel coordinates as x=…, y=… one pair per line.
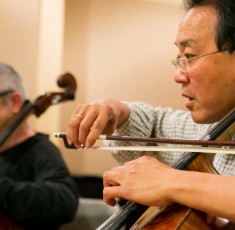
x=218, y=129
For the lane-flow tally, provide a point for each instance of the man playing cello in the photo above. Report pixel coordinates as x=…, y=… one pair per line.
x=205, y=67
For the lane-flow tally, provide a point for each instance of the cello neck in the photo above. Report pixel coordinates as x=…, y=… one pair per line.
x=221, y=130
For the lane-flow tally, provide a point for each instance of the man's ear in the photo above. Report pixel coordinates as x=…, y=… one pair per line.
x=16, y=102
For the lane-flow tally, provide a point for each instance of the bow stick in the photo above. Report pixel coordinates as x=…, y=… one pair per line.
x=158, y=148
x=157, y=140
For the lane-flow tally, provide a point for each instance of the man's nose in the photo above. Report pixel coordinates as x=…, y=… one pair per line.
x=180, y=77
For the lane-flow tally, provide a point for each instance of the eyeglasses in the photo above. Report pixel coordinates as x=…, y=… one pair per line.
x=183, y=63
x=4, y=93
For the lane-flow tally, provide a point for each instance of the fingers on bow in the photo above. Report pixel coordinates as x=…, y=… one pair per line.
x=85, y=126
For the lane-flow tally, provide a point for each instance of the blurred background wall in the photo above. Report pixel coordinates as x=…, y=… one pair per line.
x=115, y=48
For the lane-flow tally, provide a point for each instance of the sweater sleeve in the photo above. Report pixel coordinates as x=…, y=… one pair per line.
x=148, y=121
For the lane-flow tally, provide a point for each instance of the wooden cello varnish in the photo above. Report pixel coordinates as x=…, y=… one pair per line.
x=177, y=216
x=180, y=217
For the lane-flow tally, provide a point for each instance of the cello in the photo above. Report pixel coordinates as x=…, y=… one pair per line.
x=41, y=103
x=153, y=215
x=37, y=107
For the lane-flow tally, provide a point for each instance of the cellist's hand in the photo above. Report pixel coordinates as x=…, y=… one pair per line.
x=144, y=180
x=90, y=120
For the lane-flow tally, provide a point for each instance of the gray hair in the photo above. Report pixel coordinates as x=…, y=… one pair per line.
x=11, y=80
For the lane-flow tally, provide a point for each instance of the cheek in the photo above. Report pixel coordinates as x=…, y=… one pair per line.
x=204, y=85
x=227, y=89
x=199, y=80
x=3, y=122
x=6, y=117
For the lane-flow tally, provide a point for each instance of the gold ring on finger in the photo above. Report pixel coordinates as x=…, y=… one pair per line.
x=79, y=115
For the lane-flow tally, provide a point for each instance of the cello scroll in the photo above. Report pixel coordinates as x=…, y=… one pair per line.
x=66, y=81
x=41, y=103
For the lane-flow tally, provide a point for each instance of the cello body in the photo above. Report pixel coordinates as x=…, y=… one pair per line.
x=221, y=131
x=7, y=223
x=180, y=217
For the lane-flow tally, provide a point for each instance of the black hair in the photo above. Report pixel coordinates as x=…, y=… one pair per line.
x=225, y=30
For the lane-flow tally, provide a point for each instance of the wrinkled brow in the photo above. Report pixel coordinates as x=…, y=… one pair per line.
x=186, y=43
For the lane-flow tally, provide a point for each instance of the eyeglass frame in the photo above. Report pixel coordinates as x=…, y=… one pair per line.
x=183, y=66
x=6, y=92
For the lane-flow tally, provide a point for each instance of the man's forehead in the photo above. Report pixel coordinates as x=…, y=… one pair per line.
x=198, y=24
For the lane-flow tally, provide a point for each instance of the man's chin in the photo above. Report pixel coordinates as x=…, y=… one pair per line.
x=203, y=118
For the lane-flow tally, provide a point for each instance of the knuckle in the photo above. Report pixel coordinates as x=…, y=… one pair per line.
x=105, y=175
x=70, y=124
x=97, y=126
x=84, y=127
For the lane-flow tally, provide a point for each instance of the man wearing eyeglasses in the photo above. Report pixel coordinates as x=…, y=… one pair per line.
x=205, y=67
x=36, y=190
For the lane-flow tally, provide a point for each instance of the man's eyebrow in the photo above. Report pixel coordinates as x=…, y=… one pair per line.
x=186, y=42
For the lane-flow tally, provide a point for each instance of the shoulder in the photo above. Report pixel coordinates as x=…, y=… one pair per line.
x=41, y=146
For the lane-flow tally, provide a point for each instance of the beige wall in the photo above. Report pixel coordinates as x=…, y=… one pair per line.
x=121, y=49
x=32, y=42
x=19, y=38
x=115, y=48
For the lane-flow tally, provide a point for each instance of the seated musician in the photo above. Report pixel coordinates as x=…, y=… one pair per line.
x=205, y=68
x=36, y=190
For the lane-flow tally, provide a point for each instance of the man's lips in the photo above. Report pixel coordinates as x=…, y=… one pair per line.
x=188, y=103
x=187, y=96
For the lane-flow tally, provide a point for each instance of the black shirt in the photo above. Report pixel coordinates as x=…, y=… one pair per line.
x=35, y=186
